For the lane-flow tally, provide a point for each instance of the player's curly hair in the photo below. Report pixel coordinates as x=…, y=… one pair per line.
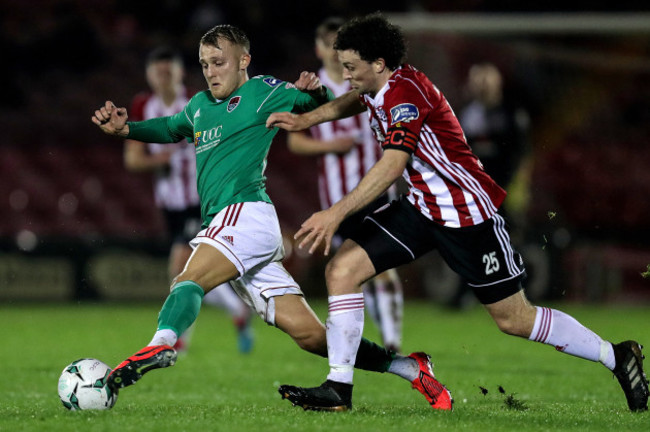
x=232, y=34
x=373, y=37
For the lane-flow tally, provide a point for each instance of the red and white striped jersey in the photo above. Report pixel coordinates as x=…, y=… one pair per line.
x=447, y=182
x=174, y=189
x=340, y=173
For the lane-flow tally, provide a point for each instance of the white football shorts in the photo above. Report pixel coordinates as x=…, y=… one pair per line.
x=249, y=236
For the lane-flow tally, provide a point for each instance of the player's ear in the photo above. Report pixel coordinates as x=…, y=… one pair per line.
x=244, y=61
x=379, y=65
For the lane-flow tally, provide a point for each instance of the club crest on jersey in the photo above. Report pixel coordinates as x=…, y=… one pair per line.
x=404, y=113
x=381, y=114
x=232, y=103
x=271, y=81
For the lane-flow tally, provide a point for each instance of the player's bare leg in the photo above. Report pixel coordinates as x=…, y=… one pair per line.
x=221, y=296
x=294, y=317
x=207, y=267
x=516, y=316
x=344, y=330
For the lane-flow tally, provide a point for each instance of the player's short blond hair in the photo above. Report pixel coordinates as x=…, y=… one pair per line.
x=232, y=34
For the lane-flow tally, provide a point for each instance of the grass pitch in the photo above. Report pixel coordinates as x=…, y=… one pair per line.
x=499, y=383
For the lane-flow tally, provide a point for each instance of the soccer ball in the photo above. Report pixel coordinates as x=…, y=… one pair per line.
x=82, y=386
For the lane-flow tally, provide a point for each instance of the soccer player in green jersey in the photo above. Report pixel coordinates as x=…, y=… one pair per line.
x=240, y=242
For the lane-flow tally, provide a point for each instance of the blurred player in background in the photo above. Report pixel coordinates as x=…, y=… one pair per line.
x=174, y=170
x=496, y=130
x=347, y=149
x=241, y=242
x=452, y=206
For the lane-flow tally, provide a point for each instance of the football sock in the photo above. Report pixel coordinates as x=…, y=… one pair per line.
x=164, y=337
x=566, y=334
x=181, y=307
x=344, y=329
x=370, y=302
x=372, y=357
x=405, y=367
x=389, y=306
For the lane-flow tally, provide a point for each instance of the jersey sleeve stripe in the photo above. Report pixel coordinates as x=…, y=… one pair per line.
x=189, y=119
x=267, y=97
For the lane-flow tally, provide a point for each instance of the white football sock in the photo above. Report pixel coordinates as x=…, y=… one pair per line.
x=164, y=337
x=405, y=367
x=566, y=334
x=370, y=302
x=344, y=331
x=389, y=307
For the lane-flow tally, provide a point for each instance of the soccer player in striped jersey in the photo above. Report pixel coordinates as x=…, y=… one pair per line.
x=174, y=170
x=346, y=150
x=240, y=242
x=452, y=206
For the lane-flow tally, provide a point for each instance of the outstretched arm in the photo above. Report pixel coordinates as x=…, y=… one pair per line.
x=138, y=159
x=321, y=226
x=302, y=143
x=343, y=106
x=111, y=120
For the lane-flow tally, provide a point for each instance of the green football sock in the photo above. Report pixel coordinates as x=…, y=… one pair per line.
x=181, y=307
x=372, y=357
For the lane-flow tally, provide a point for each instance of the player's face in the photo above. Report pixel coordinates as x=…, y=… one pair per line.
x=326, y=53
x=361, y=75
x=164, y=75
x=224, y=67
x=484, y=83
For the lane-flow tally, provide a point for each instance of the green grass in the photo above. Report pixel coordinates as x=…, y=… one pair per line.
x=214, y=388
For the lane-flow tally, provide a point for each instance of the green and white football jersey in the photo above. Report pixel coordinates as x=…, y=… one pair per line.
x=230, y=138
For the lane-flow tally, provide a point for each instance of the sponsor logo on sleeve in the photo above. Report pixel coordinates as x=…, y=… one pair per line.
x=404, y=113
x=272, y=82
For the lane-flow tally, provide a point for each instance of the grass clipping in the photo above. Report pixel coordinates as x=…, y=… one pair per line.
x=510, y=401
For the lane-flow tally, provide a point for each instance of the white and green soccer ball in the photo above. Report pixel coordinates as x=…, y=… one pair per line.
x=82, y=386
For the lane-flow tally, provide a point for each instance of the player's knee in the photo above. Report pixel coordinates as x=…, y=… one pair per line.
x=506, y=325
x=312, y=340
x=339, y=271
x=513, y=324
x=187, y=276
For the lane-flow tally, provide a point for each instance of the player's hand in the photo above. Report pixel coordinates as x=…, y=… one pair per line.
x=288, y=121
x=308, y=81
x=319, y=228
x=111, y=120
